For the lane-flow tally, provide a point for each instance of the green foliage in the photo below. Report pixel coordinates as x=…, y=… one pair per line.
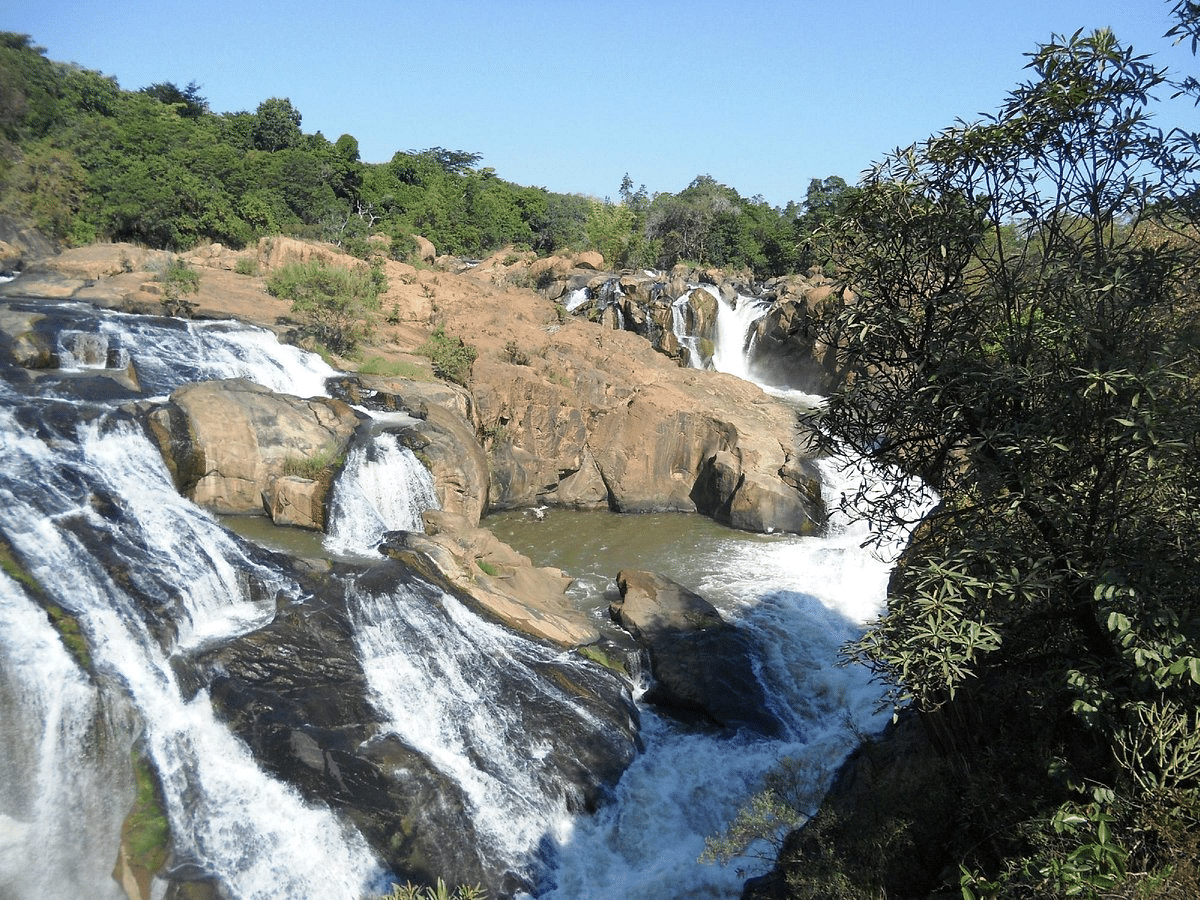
x=785, y=800
x=246, y=266
x=452, y=357
x=439, y=891
x=487, y=568
x=338, y=305
x=187, y=101
x=178, y=280
x=158, y=167
x=276, y=125
x=1024, y=342
x=146, y=833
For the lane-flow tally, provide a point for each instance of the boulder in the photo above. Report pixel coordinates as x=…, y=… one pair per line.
x=426, y=252
x=589, y=259
x=227, y=442
x=702, y=666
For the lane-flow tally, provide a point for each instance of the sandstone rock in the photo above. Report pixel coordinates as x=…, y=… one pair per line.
x=498, y=580
x=589, y=259
x=226, y=441
x=296, y=501
x=702, y=666
x=426, y=252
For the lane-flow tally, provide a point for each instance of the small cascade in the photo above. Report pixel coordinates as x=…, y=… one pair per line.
x=576, y=299
x=735, y=324
x=382, y=487
x=474, y=699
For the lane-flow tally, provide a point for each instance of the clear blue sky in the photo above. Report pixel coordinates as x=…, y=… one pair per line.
x=762, y=96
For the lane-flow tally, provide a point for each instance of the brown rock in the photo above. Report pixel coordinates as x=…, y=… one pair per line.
x=503, y=583
x=226, y=441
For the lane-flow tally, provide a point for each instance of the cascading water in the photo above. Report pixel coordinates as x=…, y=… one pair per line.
x=383, y=487
x=156, y=585
x=106, y=497
x=801, y=598
x=153, y=580
x=65, y=782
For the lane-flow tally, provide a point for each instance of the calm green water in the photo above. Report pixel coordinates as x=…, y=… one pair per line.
x=298, y=542
x=593, y=547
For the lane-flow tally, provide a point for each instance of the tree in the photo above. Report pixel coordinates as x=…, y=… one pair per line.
x=188, y=101
x=276, y=125
x=1024, y=341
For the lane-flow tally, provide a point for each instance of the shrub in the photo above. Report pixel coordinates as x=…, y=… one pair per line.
x=178, y=279
x=515, y=355
x=246, y=266
x=452, y=357
x=338, y=304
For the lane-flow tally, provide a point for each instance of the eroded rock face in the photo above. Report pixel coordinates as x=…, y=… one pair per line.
x=226, y=442
x=702, y=665
x=587, y=426
x=299, y=693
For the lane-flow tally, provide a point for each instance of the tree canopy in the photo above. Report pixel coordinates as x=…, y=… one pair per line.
x=85, y=159
x=1023, y=338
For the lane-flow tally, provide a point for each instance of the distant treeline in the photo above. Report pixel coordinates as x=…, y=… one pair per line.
x=84, y=160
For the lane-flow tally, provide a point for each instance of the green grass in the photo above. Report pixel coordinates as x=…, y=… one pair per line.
x=146, y=833
x=314, y=467
x=377, y=365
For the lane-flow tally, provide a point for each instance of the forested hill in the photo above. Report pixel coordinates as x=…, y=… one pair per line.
x=84, y=160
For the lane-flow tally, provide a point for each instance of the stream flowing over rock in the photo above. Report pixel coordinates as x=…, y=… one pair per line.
x=401, y=694
x=325, y=724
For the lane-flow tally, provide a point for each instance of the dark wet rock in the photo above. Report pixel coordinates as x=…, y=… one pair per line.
x=702, y=666
x=296, y=692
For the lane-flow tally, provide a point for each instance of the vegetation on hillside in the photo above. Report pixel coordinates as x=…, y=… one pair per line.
x=1025, y=341
x=85, y=159
x=337, y=305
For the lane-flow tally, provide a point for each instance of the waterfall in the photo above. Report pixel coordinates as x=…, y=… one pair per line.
x=382, y=487
x=65, y=784
x=801, y=599
x=108, y=500
x=92, y=516
x=731, y=343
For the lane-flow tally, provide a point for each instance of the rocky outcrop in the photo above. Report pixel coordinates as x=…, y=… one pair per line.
x=228, y=444
x=21, y=245
x=597, y=420
x=296, y=691
x=787, y=344
x=702, y=666
x=500, y=582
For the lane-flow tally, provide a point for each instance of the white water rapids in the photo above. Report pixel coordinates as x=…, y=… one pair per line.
x=66, y=737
